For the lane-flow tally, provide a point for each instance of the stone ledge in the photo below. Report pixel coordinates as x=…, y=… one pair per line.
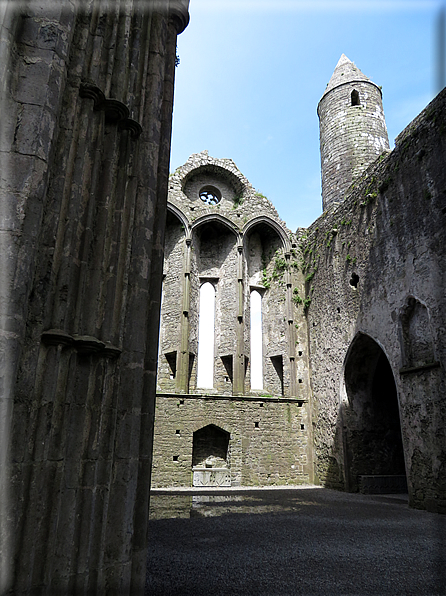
x=256, y=398
x=383, y=484
x=84, y=344
x=419, y=368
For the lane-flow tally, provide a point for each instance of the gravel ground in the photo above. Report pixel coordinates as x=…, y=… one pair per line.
x=294, y=541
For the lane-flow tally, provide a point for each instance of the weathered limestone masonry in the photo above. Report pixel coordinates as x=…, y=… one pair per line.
x=377, y=320
x=241, y=427
x=351, y=316
x=284, y=358
x=352, y=129
x=87, y=91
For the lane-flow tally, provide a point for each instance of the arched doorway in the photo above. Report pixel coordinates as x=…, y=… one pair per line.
x=374, y=455
x=210, y=457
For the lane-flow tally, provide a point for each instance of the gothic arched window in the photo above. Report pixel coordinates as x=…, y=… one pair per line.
x=256, y=369
x=205, y=356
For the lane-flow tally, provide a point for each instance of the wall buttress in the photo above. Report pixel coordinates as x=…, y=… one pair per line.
x=182, y=378
x=290, y=330
x=239, y=365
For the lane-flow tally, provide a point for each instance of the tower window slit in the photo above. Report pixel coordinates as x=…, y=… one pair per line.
x=355, y=98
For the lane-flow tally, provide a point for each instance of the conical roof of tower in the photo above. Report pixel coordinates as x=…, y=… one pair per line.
x=345, y=72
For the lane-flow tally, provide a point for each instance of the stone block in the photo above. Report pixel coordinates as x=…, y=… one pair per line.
x=33, y=74
x=45, y=34
x=34, y=131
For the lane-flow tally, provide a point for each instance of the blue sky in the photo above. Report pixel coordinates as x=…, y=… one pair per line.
x=252, y=72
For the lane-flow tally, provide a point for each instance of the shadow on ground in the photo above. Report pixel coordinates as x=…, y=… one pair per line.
x=308, y=541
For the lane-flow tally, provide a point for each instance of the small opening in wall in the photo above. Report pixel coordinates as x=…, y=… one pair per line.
x=261, y=405
x=181, y=402
x=354, y=281
x=256, y=424
x=227, y=361
x=175, y=458
x=210, y=195
x=338, y=309
x=300, y=380
x=355, y=98
x=300, y=353
x=177, y=432
x=302, y=426
x=171, y=357
x=278, y=366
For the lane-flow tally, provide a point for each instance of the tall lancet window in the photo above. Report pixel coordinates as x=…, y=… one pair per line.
x=205, y=357
x=256, y=374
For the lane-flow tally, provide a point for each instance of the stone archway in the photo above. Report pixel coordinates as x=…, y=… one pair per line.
x=374, y=455
x=210, y=457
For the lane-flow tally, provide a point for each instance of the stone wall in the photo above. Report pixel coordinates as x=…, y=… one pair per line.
x=268, y=439
x=240, y=245
x=376, y=269
x=87, y=111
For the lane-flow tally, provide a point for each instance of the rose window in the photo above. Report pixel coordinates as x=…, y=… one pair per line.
x=210, y=195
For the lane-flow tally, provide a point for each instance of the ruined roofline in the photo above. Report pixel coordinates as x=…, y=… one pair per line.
x=420, y=118
x=248, y=200
x=204, y=162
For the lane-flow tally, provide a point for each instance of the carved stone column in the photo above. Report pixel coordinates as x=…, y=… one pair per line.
x=291, y=351
x=182, y=379
x=89, y=164
x=239, y=364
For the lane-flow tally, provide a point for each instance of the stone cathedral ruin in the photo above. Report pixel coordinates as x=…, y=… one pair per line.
x=282, y=358
x=323, y=357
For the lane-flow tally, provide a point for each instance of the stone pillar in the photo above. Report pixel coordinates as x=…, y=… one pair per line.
x=291, y=349
x=239, y=364
x=92, y=94
x=182, y=379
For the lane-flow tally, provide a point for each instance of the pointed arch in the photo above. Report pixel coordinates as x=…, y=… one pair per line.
x=256, y=351
x=215, y=218
x=205, y=356
x=263, y=220
x=178, y=213
x=371, y=419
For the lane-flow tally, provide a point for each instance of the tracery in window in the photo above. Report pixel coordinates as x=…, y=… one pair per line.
x=210, y=195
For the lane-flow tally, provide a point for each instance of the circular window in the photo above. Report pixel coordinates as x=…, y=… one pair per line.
x=210, y=195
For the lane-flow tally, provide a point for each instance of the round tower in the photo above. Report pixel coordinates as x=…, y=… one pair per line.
x=352, y=129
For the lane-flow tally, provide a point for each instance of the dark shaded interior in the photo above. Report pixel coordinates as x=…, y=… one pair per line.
x=372, y=432
x=210, y=442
